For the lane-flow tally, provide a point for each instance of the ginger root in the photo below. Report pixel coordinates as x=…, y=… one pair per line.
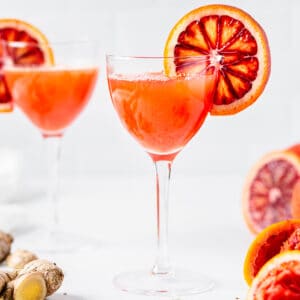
x=37, y=280
x=30, y=286
x=7, y=293
x=5, y=245
x=19, y=258
x=32, y=279
x=5, y=284
x=6, y=277
x=53, y=275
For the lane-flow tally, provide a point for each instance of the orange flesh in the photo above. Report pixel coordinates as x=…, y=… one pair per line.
x=293, y=242
x=31, y=55
x=277, y=238
x=271, y=193
x=282, y=283
x=51, y=98
x=162, y=113
x=226, y=45
x=271, y=246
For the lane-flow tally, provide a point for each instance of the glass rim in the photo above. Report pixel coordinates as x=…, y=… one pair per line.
x=154, y=57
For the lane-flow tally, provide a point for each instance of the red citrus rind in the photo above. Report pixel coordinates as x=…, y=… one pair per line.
x=295, y=202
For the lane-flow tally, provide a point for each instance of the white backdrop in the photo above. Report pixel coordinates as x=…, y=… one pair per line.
x=97, y=145
x=103, y=166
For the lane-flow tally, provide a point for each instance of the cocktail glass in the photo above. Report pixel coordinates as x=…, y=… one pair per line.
x=52, y=95
x=162, y=113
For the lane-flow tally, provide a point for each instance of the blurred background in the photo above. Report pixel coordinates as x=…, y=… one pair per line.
x=96, y=145
x=107, y=181
x=96, y=148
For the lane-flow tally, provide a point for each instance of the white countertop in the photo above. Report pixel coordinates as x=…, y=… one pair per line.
x=116, y=217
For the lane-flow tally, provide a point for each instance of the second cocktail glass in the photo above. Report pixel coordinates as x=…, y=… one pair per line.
x=51, y=90
x=162, y=113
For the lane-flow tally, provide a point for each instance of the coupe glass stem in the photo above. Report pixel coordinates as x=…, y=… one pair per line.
x=53, y=152
x=163, y=172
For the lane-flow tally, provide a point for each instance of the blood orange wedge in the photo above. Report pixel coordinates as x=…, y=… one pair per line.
x=229, y=41
x=12, y=30
x=278, y=237
x=268, y=189
x=279, y=279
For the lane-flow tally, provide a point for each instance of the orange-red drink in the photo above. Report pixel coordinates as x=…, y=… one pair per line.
x=51, y=98
x=162, y=113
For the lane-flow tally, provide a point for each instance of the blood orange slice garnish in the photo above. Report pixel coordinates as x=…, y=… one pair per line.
x=225, y=39
x=279, y=237
x=268, y=190
x=278, y=279
x=33, y=50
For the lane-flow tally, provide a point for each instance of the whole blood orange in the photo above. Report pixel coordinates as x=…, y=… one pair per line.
x=279, y=279
x=268, y=189
x=276, y=238
x=37, y=53
x=229, y=41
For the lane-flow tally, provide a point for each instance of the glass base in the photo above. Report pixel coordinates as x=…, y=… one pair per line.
x=177, y=283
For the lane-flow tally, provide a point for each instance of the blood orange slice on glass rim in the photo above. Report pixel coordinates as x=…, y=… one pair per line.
x=268, y=190
x=279, y=278
x=225, y=39
x=36, y=52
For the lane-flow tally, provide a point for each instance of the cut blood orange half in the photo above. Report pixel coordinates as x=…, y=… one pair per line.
x=268, y=190
x=279, y=237
x=278, y=279
x=33, y=50
x=225, y=39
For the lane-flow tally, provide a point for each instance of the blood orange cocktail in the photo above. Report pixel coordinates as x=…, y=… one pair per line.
x=161, y=113
x=51, y=98
x=52, y=94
